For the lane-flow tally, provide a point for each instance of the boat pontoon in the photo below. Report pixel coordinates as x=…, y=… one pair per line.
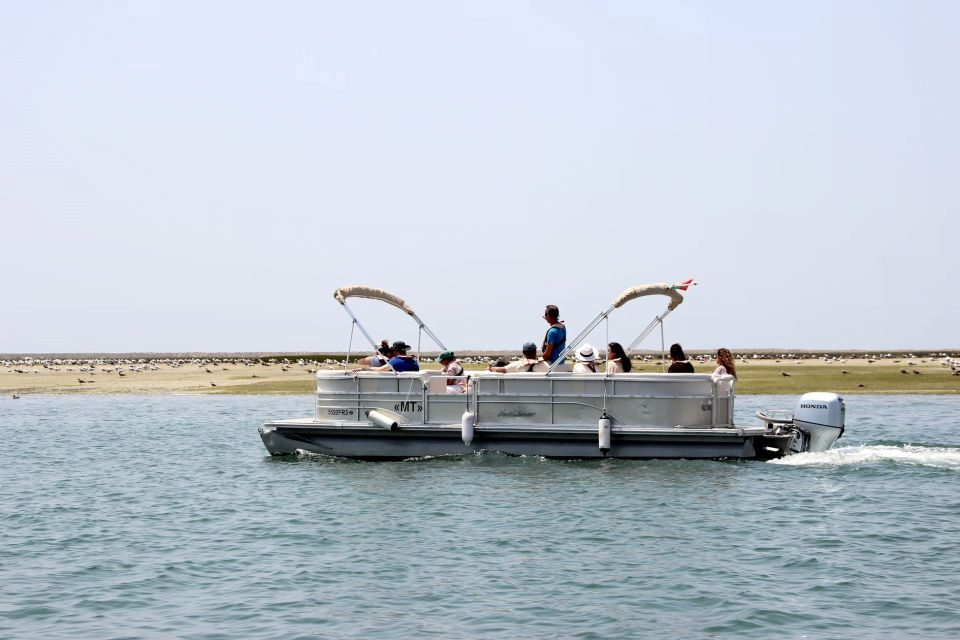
x=554, y=414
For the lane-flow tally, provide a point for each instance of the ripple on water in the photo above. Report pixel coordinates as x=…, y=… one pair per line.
x=163, y=517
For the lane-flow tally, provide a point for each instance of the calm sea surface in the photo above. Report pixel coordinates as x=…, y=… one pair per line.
x=164, y=517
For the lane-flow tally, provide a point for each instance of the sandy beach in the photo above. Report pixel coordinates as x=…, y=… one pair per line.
x=902, y=373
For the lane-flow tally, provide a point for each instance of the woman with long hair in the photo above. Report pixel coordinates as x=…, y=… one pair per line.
x=725, y=364
x=679, y=362
x=617, y=360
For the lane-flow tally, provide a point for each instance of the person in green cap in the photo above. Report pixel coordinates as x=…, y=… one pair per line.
x=452, y=368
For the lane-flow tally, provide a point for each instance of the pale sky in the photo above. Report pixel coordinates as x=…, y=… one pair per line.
x=201, y=176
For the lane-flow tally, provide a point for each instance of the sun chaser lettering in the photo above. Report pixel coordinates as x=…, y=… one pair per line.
x=516, y=413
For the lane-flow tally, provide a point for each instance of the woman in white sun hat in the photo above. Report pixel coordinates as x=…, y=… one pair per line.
x=586, y=359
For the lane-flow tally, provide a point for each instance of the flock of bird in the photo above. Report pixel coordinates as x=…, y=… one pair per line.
x=87, y=368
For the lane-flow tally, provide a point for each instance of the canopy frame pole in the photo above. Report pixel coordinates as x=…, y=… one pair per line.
x=346, y=360
x=663, y=352
x=583, y=334
x=606, y=348
x=364, y=331
x=429, y=333
x=650, y=327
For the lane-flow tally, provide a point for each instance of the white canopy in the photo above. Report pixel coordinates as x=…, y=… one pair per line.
x=649, y=290
x=357, y=291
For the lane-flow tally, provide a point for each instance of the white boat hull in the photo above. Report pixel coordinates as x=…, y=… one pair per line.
x=287, y=437
x=551, y=415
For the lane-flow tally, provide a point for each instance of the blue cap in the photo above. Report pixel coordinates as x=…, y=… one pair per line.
x=529, y=346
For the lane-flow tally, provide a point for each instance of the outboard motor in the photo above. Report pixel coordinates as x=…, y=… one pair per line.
x=819, y=417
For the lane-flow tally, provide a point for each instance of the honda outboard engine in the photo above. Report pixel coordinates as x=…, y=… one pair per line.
x=819, y=417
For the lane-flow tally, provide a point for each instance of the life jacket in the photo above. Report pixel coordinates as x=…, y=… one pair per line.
x=560, y=346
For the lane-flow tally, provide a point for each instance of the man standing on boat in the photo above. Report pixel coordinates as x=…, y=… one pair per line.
x=555, y=341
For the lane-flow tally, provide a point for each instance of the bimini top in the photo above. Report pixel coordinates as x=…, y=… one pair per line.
x=357, y=291
x=649, y=290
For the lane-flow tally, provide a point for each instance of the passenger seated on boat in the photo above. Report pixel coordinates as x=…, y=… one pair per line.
x=529, y=363
x=725, y=366
x=452, y=368
x=384, y=353
x=586, y=359
x=617, y=360
x=679, y=361
x=400, y=362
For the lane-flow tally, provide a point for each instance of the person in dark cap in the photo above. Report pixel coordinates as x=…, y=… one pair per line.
x=400, y=362
x=529, y=363
x=680, y=363
x=452, y=368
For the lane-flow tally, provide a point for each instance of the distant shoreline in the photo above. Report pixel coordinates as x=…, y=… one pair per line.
x=759, y=372
x=231, y=355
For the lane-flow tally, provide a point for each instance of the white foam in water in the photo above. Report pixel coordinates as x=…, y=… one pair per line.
x=939, y=457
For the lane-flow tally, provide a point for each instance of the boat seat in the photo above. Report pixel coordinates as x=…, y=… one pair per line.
x=436, y=384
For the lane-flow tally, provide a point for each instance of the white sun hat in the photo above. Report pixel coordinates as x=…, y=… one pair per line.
x=586, y=353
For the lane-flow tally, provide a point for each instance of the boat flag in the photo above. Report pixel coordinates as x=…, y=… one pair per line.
x=682, y=286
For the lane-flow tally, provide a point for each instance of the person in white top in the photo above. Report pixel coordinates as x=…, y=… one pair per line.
x=529, y=363
x=617, y=360
x=452, y=368
x=725, y=366
x=586, y=359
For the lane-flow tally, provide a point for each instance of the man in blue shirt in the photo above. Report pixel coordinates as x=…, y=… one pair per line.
x=556, y=339
x=400, y=362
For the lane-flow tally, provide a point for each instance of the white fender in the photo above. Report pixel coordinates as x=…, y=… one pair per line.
x=603, y=433
x=382, y=420
x=466, y=427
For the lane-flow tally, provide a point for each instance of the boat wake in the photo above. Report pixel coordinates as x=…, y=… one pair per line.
x=937, y=457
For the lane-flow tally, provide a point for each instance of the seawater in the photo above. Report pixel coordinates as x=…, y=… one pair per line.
x=164, y=517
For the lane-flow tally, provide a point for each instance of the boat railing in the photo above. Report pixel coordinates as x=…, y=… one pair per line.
x=557, y=399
